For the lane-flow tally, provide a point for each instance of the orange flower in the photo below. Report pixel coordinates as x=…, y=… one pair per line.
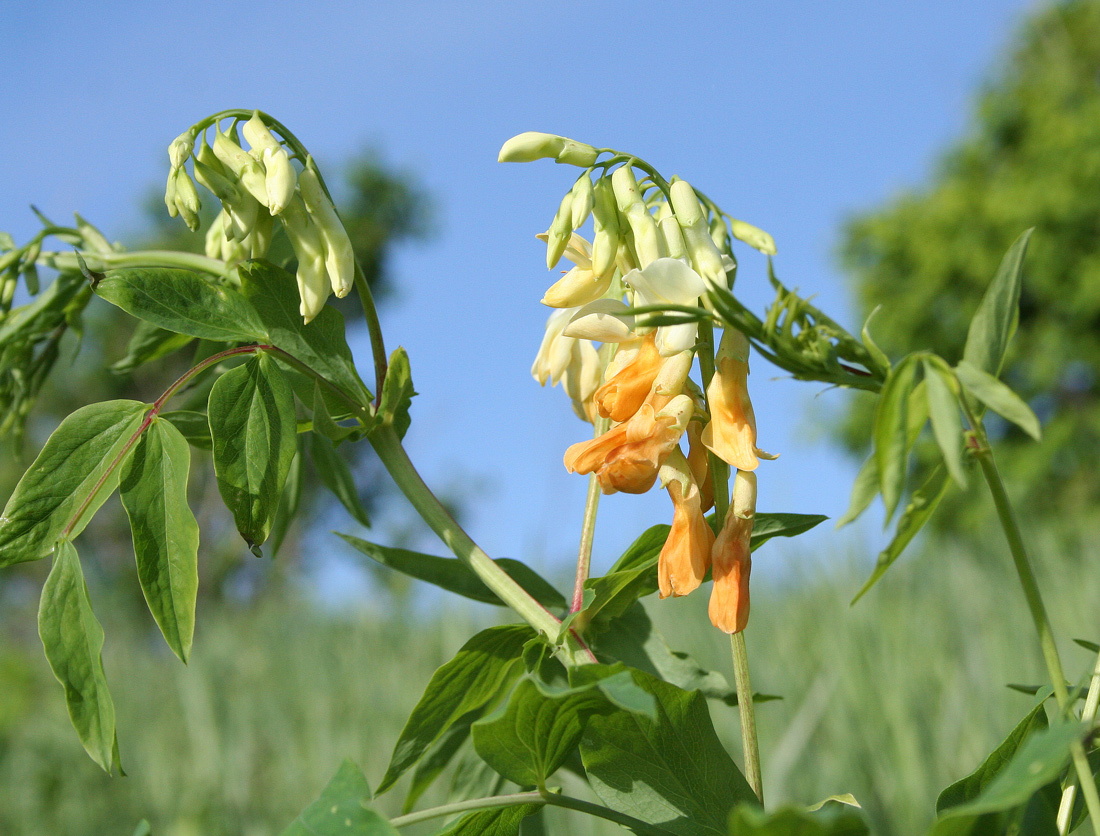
x=628, y=383
x=731, y=561
x=700, y=467
x=731, y=433
x=687, y=551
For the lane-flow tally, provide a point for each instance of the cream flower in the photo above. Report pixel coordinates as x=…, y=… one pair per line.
x=580, y=285
x=668, y=281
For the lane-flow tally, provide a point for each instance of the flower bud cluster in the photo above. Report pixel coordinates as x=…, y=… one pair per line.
x=656, y=246
x=255, y=186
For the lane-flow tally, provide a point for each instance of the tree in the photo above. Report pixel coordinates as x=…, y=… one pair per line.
x=1031, y=159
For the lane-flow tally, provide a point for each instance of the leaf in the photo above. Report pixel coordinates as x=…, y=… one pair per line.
x=432, y=764
x=182, y=301
x=322, y=344
x=969, y=788
x=149, y=342
x=289, y=500
x=747, y=820
x=995, y=321
x=998, y=397
x=322, y=419
x=73, y=640
x=153, y=488
x=193, y=425
x=530, y=737
x=397, y=393
x=342, y=809
x=878, y=356
x=253, y=430
x=453, y=575
x=73, y=468
x=1085, y=643
x=671, y=771
x=922, y=504
x=943, y=408
x=864, y=491
x=499, y=821
x=643, y=551
x=471, y=680
x=890, y=433
x=1038, y=762
x=335, y=475
x=766, y=526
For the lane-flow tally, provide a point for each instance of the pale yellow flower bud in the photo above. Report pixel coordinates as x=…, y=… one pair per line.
x=279, y=179
x=719, y=234
x=305, y=238
x=257, y=135
x=532, y=145
x=560, y=231
x=704, y=254
x=581, y=202
x=180, y=149
x=339, y=254
x=642, y=224
x=187, y=199
x=170, y=194
x=753, y=236
x=241, y=165
x=673, y=237
x=605, y=221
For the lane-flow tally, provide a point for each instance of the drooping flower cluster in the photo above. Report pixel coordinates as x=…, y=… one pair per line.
x=656, y=246
x=254, y=187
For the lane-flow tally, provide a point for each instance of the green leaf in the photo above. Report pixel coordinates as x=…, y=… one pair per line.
x=747, y=820
x=335, y=475
x=485, y=665
x=342, y=809
x=998, y=397
x=289, y=500
x=671, y=771
x=970, y=788
x=193, y=425
x=891, y=432
x=397, y=393
x=322, y=344
x=1085, y=643
x=864, y=491
x=432, y=764
x=922, y=504
x=166, y=536
x=253, y=430
x=499, y=821
x=643, y=551
x=943, y=407
x=532, y=735
x=148, y=343
x=74, y=468
x=766, y=526
x=1038, y=762
x=877, y=354
x=73, y=640
x=184, y=302
x=453, y=575
x=995, y=321
x=323, y=422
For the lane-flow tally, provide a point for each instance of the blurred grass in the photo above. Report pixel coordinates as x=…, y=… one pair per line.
x=890, y=700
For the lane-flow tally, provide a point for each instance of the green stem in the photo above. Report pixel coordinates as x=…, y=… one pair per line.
x=388, y=446
x=374, y=328
x=569, y=803
x=490, y=803
x=745, y=707
x=588, y=527
x=1088, y=787
x=137, y=258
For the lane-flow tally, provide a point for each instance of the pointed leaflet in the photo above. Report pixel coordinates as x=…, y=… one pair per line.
x=166, y=536
x=253, y=430
x=342, y=809
x=922, y=504
x=453, y=575
x=864, y=491
x=747, y=820
x=876, y=354
x=335, y=475
x=183, y=301
x=673, y=771
x=943, y=408
x=472, y=679
x=500, y=821
x=995, y=321
x=1038, y=762
x=436, y=760
x=890, y=432
x=73, y=468
x=149, y=342
x=289, y=500
x=73, y=640
x=193, y=425
x=998, y=397
x=322, y=344
x=397, y=393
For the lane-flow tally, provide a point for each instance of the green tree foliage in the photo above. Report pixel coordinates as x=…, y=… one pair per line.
x=1030, y=159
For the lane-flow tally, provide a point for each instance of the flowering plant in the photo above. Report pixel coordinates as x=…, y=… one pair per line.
x=582, y=684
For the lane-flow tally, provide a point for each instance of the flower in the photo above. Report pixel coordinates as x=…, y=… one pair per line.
x=533, y=145
x=575, y=363
x=630, y=375
x=731, y=433
x=580, y=285
x=731, y=560
x=668, y=281
x=686, y=554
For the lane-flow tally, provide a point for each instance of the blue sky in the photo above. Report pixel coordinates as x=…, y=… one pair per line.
x=791, y=115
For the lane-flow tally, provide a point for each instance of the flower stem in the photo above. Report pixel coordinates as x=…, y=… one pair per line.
x=588, y=527
x=137, y=258
x=388, y=446
x=749, y=741
x=492, y=802
x=1088, y=787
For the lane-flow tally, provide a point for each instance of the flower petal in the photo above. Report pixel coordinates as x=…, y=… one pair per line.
x=667, y=280
x=604, y=320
